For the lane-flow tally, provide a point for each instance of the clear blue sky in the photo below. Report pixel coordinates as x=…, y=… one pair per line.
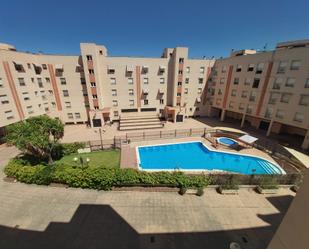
x=144, y=28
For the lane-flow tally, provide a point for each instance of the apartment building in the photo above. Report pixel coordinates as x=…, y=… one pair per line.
x=268, y=90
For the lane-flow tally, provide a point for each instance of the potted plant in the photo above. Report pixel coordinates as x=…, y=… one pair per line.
x=268, y=185
x=182, y=190
x=200, y=191
x=230, y=187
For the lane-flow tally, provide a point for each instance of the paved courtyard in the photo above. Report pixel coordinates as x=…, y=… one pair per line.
x=52, y=217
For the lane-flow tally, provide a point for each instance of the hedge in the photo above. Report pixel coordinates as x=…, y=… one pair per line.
x=99, y=177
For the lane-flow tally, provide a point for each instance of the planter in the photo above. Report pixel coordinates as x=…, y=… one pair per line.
x=191, y=191
x=295, y=188
x=227, y=191
x=266, y=191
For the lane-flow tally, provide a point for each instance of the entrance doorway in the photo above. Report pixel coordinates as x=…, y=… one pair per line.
x=97, y=122
x=264, y=125
x=179, y=118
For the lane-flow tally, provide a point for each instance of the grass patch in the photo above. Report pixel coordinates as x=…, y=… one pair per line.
x=106, y=159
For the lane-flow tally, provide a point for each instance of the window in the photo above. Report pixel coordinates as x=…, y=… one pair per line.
x=179, y=83
x=277, y=83
x=218, y=101
x=247, y=82
x=110, y=70
x=116, y=114
x=295, y=65
x=44, y=66
x=269, y=112
x=83, y=81
x=32, y=80
x=40, y=83
x=178, y=94
x=1, y=82
x=222, y=80
x=94, y=96
x=259, y=68
x=285, y=97
x=89, y=57
x=186, y=91
x=63, y=81
x=241, y=106
x=131, y=101
x=161, y=80
x=219, y=92
x=26, y=96
x=202, y=69
x=231, y=104
x=131, y=92
x=223, y=70
x=65, y=93
x=47, y=80
x=19, y=67
x=250, y=68
x=299, y=117
x=180, y=72
x=249, y=109
x=37, y=69
x=77, y=115
x=238, y=68
x=145, y=81
x=181, y=60
x=113, y=81
x=91, y=71
x=244, y=94
x=4, y=99
x=273, y=98
x=234, y=92
x=306, y=84
x=145, y=101
x=252, y=97
x=85, y=94
x=290, y=82
x=114, y=92
x=70, y=115
x=9, y=115
x=199, y=90
x=200, y=80
x=53, y=104
x=93, y=84
x=236, y=81
x=161, y=101
x=29, y=109
x=115, y=103
x=280, y=113
x=130, y=81
x=187, y=80
x=188, y=69
x=29, y=65
x=304, y=100
x=282, y=67
x=68, y=105
x=101, y=52
x=256, y=83
x=197, y=109
x=21, y=81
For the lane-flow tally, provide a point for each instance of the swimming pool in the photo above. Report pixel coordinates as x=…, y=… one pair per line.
x=195, y=156
x=226, y=141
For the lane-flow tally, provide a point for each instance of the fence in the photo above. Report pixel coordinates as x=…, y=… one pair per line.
x=281, y=155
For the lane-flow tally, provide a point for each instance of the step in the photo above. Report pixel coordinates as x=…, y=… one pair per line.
x=139, y=120
x=140, y=127
x=139, y=117
x=266, y=167
x=141, y=124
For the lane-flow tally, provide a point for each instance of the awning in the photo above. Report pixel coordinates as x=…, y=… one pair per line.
x=162, y=68
x=248, y=139
x=129, y=68
x=230, y=130
x=59, y=66
x=198, y=99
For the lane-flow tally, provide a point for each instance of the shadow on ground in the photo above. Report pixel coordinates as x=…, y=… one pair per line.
x=100, y=226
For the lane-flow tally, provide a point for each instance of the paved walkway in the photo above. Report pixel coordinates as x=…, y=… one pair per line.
x=51, y=217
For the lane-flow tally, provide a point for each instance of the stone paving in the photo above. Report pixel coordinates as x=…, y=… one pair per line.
x=52, y=217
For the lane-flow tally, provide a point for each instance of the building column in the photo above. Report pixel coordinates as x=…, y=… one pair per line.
x=243, y=120
x=222, y=115
x=305, y=144
x=269, y=128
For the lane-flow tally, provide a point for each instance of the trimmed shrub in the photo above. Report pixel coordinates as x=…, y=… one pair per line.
x=182, y=190
x=268, y=182
x=231, y=183
x=99, y=177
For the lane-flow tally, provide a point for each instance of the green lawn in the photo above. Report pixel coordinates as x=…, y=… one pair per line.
x=108, y=158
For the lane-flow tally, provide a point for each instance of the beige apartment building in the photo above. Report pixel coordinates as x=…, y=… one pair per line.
x=269, y=90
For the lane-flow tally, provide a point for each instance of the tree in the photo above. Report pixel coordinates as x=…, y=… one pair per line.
x=37, y=136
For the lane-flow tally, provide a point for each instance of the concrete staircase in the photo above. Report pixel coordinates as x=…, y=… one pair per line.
x=128, y=123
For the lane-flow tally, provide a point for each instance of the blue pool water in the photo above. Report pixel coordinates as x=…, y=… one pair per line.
x=195, y=156
x=226, y=141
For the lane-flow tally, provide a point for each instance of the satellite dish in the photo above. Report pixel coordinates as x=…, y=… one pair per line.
x=235, y=245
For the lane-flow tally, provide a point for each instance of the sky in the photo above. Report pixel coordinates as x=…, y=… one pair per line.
x=145, y=28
